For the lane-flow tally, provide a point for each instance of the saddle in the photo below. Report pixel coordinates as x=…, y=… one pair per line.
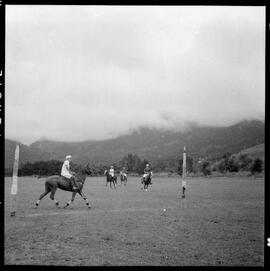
x=69, y=182
x=65, y=179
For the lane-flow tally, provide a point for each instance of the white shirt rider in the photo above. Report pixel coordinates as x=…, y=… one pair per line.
x=65, y=171
x=123, y=172
x=111, y=171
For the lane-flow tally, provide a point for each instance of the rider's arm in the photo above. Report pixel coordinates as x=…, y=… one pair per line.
x=68, y=169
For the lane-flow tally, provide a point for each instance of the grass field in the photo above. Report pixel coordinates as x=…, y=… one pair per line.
x=220, y=223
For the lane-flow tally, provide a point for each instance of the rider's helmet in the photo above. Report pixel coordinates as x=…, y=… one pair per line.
x=68, y=157
x=147, y=165
x=111, y=166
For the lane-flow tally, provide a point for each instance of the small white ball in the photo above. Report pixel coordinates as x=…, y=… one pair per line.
x=164, y=210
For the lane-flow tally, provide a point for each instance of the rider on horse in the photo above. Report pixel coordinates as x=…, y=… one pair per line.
x=147, y=171
x=67, y=173
x=123, y=172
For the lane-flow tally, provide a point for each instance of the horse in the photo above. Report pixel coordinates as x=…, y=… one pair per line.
x=110, y=179
x=56, y=181
x=146, y=181
x=123, y=178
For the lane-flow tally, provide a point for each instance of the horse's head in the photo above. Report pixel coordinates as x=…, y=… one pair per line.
x=88, y=170
x=81, y=175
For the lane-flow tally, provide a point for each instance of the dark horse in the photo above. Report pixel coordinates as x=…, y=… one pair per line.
x=146, y=181
x=56, y=181
x=110, y=179
x=123, y=179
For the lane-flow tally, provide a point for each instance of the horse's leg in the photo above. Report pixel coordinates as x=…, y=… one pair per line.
x=53, y=191
x=85, y=198
x=47, y=190
x=72, y=199
x=145, y=185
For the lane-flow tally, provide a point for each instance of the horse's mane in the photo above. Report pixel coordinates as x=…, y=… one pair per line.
x=82, y=172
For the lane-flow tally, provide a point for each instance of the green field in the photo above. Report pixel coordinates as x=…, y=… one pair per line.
x=220, y=223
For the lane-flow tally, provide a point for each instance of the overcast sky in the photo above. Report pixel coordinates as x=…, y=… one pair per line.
x=93, y=72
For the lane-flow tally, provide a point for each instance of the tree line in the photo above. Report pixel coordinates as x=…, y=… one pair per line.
x=134, y=164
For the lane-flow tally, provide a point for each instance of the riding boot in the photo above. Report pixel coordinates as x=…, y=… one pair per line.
x=74, y=186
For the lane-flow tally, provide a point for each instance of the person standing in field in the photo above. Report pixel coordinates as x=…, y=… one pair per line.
x=67, y=173
x=184, y=187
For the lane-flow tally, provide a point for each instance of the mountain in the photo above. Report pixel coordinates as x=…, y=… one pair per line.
x=257, y=151
x=26, y=154
x=151, y=144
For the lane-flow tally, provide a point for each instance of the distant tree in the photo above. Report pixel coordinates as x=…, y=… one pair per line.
x=257, y=166
x=233, y=165
x=245, y=162
x=133, y=163
x=221, y=165
x=160, y=165
x=226, y=158
x=43, y=168
x=205, y=167
x=214, y=166
x=27, y=169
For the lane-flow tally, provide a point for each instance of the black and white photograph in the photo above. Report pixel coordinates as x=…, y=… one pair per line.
x=134, y=135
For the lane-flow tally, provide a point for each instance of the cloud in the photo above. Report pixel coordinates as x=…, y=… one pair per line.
x=93, y=72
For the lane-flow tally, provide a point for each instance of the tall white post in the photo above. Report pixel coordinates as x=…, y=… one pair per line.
x=14, y=186
x=184, y=164
x=184, y=181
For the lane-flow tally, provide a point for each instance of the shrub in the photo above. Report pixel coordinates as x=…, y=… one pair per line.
x=256, y=166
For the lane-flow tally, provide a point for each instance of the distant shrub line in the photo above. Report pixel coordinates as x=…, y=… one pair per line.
x=135, y=165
